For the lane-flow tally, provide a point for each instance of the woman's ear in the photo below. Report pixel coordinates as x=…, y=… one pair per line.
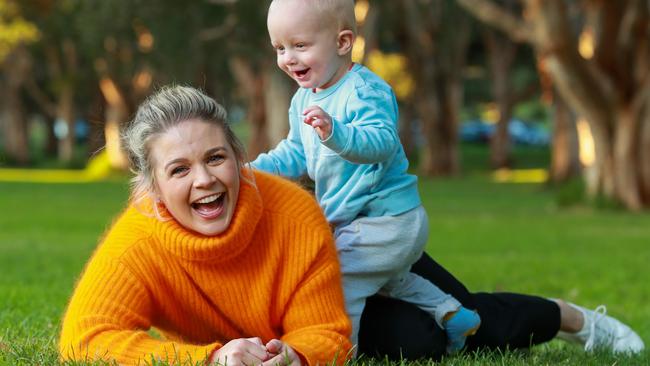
x=345, y=41
x=154, y=193
x=155, y=197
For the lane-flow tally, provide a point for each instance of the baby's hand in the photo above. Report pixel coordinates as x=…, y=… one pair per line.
x=319, y=120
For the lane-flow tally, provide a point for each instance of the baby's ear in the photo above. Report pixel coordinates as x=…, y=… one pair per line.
x=345, y=42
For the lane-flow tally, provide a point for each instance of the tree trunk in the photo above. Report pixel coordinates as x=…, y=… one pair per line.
x=607, y=86
x=115, y=114
x=15, y=127
x=438, y=81
x=66, y=114
x=368, y=31
x=427, y=107
x=644, y=154
x=407, y=133
x=277, y=96
x=450, y=95
x=259, y=138
x=438, y=109
x=50, y=139
x=251, y=83
x=66, y=105
x=578, y=84
x=625, y=173
x=565, y=161
x=16, y=141
x=501, y=53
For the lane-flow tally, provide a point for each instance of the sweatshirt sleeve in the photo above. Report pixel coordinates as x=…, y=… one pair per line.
x=288, y=157
x=108, y=319
x=315, y=322
x=371, y=135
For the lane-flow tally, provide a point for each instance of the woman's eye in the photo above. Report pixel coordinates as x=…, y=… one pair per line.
x=215, y=159
x=178, y=170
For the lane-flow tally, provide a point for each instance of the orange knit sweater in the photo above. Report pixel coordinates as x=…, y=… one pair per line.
x=272, y=274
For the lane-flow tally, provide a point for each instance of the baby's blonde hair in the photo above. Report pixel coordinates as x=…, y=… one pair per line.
x=339, y=11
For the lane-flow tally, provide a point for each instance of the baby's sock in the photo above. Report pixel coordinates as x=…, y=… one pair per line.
x=459, y=325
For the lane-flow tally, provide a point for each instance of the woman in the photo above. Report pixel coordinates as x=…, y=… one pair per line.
x=508, y=321
x=229, y=266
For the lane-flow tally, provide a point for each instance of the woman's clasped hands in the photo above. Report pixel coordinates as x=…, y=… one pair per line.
x=252, y=352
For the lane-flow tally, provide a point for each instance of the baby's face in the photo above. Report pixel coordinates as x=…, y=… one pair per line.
x=306, y=47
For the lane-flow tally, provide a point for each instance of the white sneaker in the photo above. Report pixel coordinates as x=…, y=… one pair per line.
x=601, y=331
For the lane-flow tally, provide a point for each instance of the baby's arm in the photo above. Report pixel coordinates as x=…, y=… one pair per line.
x=287, y=158
x=371, y=135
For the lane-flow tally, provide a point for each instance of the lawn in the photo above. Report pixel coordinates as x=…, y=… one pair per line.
x=492, y=236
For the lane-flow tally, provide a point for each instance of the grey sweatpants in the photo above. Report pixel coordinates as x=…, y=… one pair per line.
x=376, y=255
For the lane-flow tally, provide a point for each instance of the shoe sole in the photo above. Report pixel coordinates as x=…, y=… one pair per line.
x=472, y=331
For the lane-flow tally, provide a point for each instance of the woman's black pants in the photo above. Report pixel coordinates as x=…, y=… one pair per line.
x=397, y=329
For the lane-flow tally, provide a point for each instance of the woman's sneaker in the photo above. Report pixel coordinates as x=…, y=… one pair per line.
x=601, y=331
x=459, y=326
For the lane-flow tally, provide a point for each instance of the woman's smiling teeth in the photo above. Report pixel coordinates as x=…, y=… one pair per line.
x=209, y=199
x=210, y=207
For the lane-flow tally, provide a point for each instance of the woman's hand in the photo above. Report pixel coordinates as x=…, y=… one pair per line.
x=281, y=354
x=241, y=351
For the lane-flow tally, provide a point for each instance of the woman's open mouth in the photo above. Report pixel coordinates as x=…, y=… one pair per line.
x=210, y=207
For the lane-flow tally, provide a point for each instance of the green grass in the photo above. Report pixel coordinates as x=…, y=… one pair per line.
x=492, y=237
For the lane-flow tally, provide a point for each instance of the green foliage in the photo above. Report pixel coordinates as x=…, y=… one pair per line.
x=475, y=158
x=570, y=193
x=14, y=29
x=491, y=236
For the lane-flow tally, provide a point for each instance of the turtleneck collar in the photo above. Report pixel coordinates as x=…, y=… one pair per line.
x=193, y=246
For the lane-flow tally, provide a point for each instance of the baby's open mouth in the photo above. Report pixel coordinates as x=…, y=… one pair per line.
x=301, y=73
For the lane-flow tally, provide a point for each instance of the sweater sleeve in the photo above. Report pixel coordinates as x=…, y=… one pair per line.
x=315, y=322
x=371, y=135
x=108, y=318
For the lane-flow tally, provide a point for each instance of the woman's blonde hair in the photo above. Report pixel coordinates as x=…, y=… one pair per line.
x=161, y=111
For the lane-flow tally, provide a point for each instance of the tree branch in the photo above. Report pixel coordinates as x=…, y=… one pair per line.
x=219, y=31
x=221, y=2
x=642, y=96
x=48, y=107
x=495, y=16
x=526, y=93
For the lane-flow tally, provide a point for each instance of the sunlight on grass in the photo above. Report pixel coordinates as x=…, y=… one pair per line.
x=503, y=237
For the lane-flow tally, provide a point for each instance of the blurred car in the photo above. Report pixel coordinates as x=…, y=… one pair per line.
x=476, y=131
x=520, y=132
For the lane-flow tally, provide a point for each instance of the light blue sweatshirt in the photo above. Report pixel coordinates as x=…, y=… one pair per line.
x=361, y=168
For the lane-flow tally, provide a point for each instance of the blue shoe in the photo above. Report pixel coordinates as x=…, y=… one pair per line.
x=463, y=323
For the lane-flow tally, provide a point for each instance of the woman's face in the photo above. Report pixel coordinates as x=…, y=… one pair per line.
x=196, y=175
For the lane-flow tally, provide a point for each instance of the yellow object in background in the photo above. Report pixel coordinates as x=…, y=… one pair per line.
x=520, y=176
x=392, y=67
x=98, y=168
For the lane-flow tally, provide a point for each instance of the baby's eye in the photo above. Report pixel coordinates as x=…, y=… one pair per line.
x=279, y=49
x=300, y=45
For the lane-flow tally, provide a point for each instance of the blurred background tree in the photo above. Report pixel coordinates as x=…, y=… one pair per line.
x=597, y=54
x=487, y=71
x=16, y=33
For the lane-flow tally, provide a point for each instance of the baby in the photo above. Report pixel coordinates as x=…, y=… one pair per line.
x=343, y=133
